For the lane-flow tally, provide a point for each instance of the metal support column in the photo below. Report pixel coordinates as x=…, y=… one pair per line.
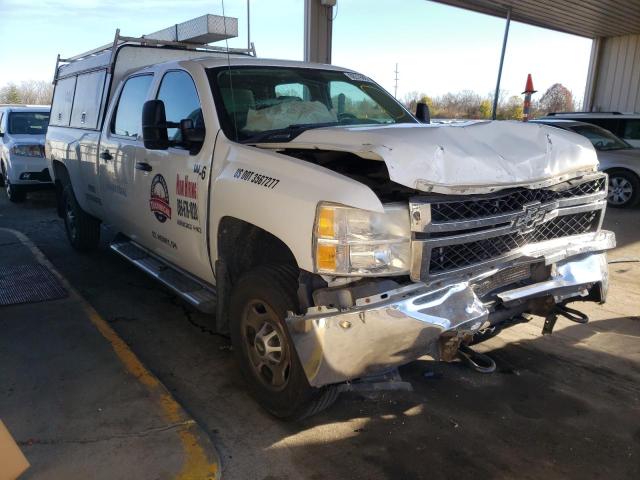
x=504, y=48
x=318, y=15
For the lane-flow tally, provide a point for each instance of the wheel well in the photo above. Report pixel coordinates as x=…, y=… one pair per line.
x=243, y=246
x=622, y=169
x=61, y=180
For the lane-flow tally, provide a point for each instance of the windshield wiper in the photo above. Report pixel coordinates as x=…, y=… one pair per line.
x=286, y=134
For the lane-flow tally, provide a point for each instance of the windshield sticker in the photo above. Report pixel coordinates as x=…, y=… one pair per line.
x=257, y=178
x=159, y=201
x=357, y=77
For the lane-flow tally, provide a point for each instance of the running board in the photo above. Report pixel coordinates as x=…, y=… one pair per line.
x=201, y=296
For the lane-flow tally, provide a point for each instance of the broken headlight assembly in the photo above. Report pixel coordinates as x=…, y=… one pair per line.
x=351, y=241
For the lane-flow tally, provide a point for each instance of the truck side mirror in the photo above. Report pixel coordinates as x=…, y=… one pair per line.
x=154, y=125
x=422, y=113
x=190, y=134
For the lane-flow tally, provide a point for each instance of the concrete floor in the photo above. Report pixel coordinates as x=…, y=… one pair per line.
x=565, y=406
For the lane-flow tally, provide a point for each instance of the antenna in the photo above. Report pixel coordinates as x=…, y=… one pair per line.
x=395, y=88
x=248, y=24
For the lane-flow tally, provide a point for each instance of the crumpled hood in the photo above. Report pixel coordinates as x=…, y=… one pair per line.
x=473, y=157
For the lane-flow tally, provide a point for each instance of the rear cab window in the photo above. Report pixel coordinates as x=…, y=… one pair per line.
x=127, y=119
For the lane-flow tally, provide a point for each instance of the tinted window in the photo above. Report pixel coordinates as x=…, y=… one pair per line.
x=610, y=124
x=128, y=119
x=181, y=101
x=600, y=138
x=631, y=129
x=28, y=123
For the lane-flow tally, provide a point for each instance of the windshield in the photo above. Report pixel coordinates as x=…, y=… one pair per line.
x=28, y=123
x=600, y=138
x=277, y=103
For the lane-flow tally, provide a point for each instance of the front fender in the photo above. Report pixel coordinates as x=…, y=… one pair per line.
x=279, y=194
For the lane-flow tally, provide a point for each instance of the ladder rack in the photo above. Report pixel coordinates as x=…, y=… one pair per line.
x=120, y=40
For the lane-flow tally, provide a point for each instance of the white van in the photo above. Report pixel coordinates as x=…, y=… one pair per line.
x=23, y=166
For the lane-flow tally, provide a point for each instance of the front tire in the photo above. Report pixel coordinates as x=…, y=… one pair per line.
x=15, y=193
x=83, y=230
x=624, y=189
x=263, y=347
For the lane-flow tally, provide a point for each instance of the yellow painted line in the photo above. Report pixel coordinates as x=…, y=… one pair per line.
x=197, y=465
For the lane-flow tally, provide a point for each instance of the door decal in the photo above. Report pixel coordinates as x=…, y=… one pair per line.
x=159, y=201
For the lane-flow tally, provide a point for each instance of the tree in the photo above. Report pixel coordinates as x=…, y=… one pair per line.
x=512, y=109
x=557, y=98
x=32, y=92
x=485, y=108
x=10, y=94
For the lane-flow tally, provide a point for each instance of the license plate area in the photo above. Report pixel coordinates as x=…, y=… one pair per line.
x=504, y=277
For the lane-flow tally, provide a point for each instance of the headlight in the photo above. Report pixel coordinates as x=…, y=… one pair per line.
x=350, y=241
x=28, y=150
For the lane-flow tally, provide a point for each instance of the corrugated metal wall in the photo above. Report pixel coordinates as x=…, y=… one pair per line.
x=614, y=75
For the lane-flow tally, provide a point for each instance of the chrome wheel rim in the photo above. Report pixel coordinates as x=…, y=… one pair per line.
x=70, y=218
x=266, y=345
x=620, y=190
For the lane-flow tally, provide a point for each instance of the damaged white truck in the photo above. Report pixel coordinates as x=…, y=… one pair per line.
x=332, y=234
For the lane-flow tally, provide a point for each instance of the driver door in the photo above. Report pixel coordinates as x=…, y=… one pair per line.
x=174, y=188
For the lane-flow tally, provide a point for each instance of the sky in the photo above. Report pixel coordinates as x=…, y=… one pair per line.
x=438, y=48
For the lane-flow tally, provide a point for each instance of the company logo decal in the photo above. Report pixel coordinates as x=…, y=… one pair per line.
x=159, y=201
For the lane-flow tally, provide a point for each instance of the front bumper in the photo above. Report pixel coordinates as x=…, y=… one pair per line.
x=28, y=170
x=401, y=325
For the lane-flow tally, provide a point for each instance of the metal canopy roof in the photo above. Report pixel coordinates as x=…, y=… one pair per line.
x=587, y=18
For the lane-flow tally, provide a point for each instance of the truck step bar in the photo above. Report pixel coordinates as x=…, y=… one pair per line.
x=201, y=296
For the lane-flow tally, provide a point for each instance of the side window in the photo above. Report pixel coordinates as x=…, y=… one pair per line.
x=610, y=124
x=181, y=102
x=128, y=116
x=86, y=105
x=631, y=129
x=63, y=101
x=293, y=90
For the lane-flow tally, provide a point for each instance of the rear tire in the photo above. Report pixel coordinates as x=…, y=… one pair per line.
x=83, y=230
x=263, y=347
x=624, y=189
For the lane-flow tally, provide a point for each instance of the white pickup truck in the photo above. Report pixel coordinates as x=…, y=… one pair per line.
x=332, y=234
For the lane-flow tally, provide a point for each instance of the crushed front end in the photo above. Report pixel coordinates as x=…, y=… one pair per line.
x=476, y=263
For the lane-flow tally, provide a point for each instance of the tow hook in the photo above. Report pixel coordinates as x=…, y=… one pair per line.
x=477, y=361
x=568, y=313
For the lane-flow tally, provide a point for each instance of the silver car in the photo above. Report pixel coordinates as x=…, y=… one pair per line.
x=619, y=159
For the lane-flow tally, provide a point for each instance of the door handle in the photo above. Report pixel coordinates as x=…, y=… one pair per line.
x=106, y=155
x=144, y=166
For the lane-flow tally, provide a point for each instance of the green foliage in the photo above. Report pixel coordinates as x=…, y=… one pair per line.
x=485, y=108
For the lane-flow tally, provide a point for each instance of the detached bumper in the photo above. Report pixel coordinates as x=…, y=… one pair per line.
x=401, y=325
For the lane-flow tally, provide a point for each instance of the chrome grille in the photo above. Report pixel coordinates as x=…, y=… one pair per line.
x=465, y=236
x=511, y=201
x=453, y=257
